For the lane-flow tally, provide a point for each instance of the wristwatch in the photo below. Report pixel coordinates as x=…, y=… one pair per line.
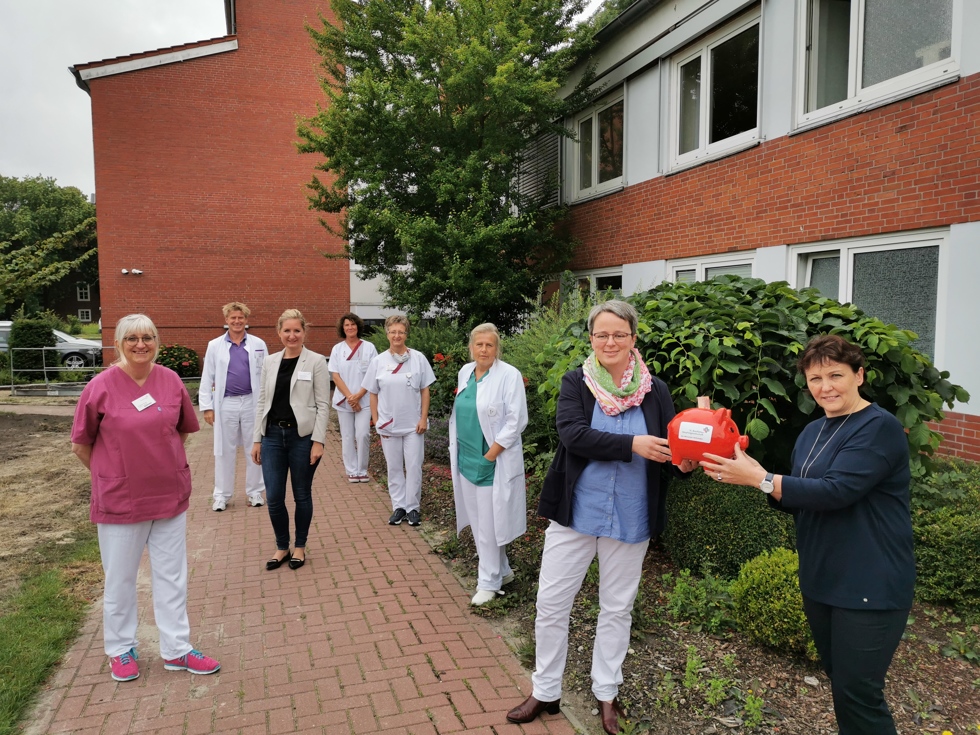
x=766, y=485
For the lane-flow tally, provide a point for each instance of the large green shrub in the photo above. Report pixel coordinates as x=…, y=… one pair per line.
x=768, y=606
x=27, y=339
x=947, y=555
x=182, y=360
x=715, y=527
x=737, y=341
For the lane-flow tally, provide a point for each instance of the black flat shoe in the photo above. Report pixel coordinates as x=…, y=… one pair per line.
x=296, y=562
x=275, y=563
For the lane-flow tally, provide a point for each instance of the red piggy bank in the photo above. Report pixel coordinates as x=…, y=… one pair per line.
x=695, y=431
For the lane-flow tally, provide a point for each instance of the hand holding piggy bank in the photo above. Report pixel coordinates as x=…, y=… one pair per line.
x=695, y=431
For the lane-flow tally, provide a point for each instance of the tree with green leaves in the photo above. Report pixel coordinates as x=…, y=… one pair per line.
x=46, y=233
x=431, y=107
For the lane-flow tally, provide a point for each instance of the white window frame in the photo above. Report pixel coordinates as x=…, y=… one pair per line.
x=605, y=187
x=83, y=292
x=85, y=315
x=702, y=264
x=801, y=258
x=708, y=151
x=858, y=99
x=591, y=276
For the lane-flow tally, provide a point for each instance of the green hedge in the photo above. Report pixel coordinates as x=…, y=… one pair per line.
x=947, y=554
x=717, y=528
x=26, y=337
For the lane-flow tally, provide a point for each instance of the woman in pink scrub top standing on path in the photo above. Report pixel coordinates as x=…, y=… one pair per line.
x=130, y=425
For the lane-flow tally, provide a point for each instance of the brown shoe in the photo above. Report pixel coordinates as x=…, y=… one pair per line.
x=530, y=708
x=611, y=713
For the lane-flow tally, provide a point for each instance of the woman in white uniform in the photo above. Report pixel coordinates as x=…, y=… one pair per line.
x=398, y=380
x=487, y=458
x=348, y=365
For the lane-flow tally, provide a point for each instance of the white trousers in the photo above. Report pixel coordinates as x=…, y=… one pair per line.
x=404, y=455
x=121, y=545
x=565, y=560
x=237, y=417
x=355, y=439
x=493, y=565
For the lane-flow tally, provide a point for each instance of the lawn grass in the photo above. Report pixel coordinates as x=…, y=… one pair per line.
x=91, y=331
x=39, y=621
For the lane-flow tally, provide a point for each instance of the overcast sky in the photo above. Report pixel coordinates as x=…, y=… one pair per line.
x=45, y=119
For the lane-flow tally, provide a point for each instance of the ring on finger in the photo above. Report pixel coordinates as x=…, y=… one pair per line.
x=719, y=476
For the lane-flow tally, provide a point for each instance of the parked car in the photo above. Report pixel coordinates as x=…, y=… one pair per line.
x=74, y=353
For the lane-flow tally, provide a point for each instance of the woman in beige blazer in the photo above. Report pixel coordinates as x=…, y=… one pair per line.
x=290, y=428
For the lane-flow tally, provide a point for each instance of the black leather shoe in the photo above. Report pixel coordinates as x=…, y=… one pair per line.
x=611, y=713
x=530, y=708
x=296, y=562
x=275, y=563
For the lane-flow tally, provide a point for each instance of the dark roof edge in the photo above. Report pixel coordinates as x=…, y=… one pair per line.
x=82, y=84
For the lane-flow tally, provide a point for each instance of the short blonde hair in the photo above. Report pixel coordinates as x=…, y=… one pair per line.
x=397, y=319
x=485, y=328
x=135, y=324
x=291, y=314
x=236, y=306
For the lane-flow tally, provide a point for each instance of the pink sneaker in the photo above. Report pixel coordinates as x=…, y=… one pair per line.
x=194, y=662
x=124, y=667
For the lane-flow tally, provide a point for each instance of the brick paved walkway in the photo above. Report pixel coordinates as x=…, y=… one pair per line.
x=373, y=635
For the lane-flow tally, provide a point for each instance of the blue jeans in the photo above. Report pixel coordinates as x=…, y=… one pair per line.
x=284, y=450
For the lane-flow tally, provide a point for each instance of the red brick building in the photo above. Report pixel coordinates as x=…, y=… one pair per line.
x=201, y=192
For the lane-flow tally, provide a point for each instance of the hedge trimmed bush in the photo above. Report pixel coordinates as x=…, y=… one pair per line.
x=717, y=528
x=947, y=555
x=768, y=606
x=737, y=341
x=182, y=360
x=27, y=336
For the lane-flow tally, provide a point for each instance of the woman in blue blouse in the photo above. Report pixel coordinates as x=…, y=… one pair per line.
x=603, y=496
x=849, y=495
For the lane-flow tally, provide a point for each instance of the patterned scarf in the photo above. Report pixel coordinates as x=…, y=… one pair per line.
x=612, y=399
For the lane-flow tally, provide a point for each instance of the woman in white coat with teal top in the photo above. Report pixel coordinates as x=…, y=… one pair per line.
x=487, y=458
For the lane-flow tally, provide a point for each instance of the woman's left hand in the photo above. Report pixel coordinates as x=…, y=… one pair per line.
x=742, y=470
x=421, y=426
x=316, y=452
x=687, y=465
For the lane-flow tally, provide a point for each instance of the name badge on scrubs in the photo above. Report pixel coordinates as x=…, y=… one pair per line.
x=304, y=375
x=144, y=402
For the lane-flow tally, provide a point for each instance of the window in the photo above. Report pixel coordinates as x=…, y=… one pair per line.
x=689, y=271
x=85, y=315
x=83, y=292
x=859, y=51
x=599, y=149
x=607, y=283
x=715, y=93
x=895, y=279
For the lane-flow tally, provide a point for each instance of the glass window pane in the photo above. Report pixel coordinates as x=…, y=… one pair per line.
x=899, y=287
x=828, y=53
x=900, y=37
x=825, y=276
x=735, y=85
x=690, y=106
x=744, y=270
x=611, y=142
x=610, y=285
x=585, y=154
x=686, y=276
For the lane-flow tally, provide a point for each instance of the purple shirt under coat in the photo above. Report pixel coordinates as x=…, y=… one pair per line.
x=239, y=380
x=139, y=467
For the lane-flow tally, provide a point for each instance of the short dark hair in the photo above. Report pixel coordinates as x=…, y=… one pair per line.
x=830, y=348
x=350, y=317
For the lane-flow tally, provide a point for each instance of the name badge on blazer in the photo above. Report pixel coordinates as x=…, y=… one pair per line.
x=304, y=375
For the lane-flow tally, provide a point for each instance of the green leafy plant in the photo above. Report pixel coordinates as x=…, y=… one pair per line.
x=717, y=690
x=692, y=669
x=752, y=710
x=704, y=604
x=736, y=340
x=964, y=646
x=947, y=556
x=182, y=360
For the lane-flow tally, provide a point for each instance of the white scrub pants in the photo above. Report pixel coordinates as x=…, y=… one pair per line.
x=237, y=417
x=121, y=545
x=404, y=455
x=493, y=565
x=355, y=438
x=565, y=560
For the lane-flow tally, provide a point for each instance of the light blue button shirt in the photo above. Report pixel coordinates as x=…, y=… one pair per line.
x=610, y=498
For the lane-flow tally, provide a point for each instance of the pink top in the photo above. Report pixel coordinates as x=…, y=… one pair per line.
x=139, y=467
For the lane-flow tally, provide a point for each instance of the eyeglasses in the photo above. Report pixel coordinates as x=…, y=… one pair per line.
x=394, y=333
x=619, y=337
x=145, y=339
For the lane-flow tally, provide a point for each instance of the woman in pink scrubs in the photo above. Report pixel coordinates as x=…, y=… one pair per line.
x=129, y=430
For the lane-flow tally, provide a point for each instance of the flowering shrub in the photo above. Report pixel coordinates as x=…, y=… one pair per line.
x=182, y=360
x=446, y=366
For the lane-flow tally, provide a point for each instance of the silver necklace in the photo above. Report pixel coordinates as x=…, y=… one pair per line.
x=829, y=439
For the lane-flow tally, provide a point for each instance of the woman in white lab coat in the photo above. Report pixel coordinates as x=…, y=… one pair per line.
x=487, y=458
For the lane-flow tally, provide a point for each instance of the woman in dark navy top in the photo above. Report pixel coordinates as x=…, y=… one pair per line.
x=849, y=495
